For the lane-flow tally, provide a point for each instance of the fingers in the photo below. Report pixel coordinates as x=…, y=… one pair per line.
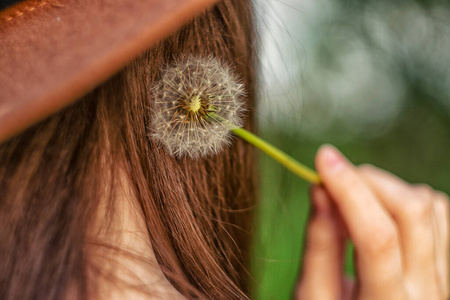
x=324, y=251
x=370, y=226
x=422, y=222
x=413, y=211
x=442, y=212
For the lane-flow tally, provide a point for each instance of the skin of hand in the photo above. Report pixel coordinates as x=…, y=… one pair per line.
x=400, y=233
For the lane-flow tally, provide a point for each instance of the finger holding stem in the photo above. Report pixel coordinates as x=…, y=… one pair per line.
x=371, y=228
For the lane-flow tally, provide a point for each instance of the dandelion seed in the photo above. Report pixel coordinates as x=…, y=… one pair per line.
x=198, y=92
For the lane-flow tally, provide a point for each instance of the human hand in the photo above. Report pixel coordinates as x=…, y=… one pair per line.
x=400, y=233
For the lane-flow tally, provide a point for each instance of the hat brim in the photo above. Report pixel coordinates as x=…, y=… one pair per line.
x=53, y=52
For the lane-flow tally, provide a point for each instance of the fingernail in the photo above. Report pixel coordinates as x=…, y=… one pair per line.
x=332, y=157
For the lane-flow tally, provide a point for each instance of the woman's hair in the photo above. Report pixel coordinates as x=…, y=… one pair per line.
x=60, y=177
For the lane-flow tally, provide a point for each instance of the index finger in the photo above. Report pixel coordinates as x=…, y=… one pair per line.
x=369, y=225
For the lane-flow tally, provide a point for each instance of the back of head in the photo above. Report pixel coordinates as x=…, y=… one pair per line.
x=60, y=182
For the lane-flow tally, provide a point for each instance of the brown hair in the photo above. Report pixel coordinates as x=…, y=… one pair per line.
x=54, y=176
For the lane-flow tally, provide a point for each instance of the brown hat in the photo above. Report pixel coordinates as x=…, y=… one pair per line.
x=54, y=51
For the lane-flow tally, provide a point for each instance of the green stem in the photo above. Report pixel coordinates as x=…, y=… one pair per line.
x=290, y=163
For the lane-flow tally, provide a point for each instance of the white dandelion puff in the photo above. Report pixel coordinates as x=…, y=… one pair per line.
x=194, y=99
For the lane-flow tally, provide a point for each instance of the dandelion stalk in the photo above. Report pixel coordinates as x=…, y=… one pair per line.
x=289, y=162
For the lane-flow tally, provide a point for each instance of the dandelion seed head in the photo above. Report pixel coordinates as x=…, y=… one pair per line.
x=188, y=100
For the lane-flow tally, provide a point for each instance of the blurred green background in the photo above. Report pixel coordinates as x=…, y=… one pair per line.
x=371, y=77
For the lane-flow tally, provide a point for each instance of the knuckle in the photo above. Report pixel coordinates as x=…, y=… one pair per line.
x=366, y=168
x=382, y=241
x=419, y=209
x=423, y=191
x=443, y=198
x=442, y=202
x=370, y=171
